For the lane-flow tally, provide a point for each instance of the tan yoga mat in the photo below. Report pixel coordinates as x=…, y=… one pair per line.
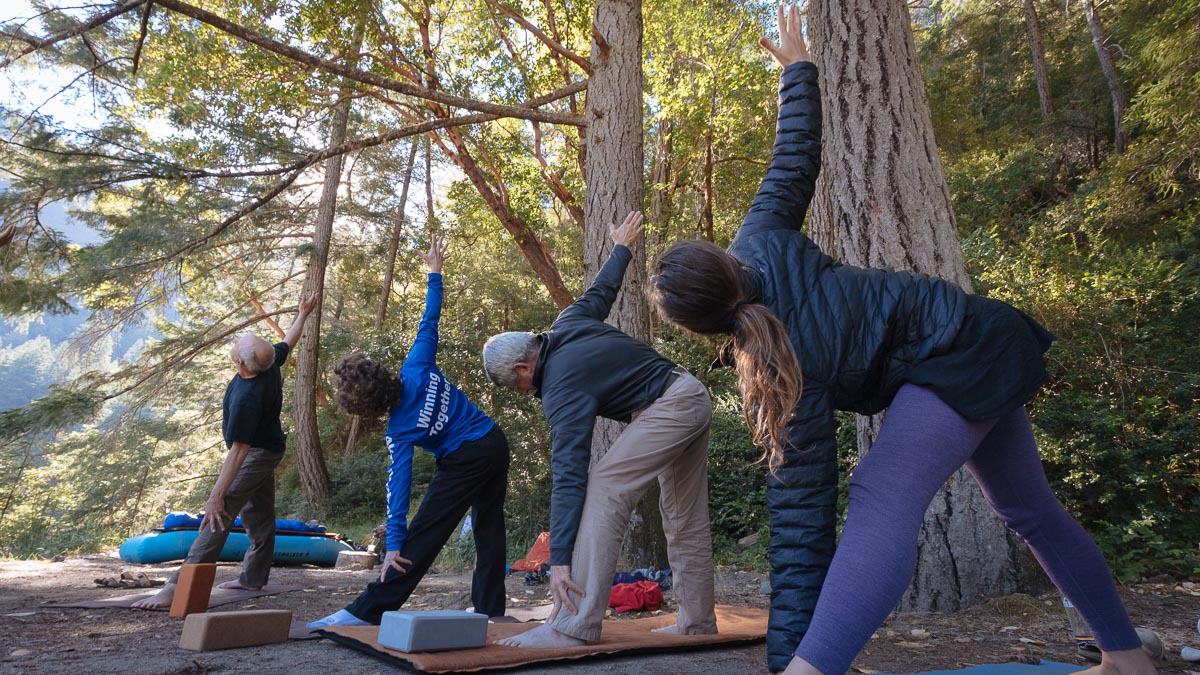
x=735, y=626
x=219, y=596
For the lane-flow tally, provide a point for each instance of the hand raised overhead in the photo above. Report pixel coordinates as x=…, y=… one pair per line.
x=630, y=230
x=436, y=255
x=791, y=48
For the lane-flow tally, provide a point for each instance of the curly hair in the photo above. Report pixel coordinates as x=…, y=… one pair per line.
x=365, y=386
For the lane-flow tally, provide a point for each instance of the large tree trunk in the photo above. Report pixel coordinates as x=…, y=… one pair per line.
x=1100, y=42
x=310, y=460
x=882, y=201
x=615, y=187
x=1038, y=52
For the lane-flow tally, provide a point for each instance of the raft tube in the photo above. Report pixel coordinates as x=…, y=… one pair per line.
x=290, y=549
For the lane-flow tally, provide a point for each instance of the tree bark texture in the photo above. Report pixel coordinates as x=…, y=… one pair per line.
x=1100, y=42
x=882, y=201
x=1038, y=53
x=615, y=186
x=310, y=460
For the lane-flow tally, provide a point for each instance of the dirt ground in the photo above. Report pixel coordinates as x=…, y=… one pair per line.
x=34, y=640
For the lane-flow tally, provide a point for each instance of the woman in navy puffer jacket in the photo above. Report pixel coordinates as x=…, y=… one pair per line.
x=810, y=336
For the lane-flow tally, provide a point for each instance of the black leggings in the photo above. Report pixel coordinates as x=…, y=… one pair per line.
x=474, y=476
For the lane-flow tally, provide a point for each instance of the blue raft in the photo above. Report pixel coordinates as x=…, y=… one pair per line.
x=313, y=547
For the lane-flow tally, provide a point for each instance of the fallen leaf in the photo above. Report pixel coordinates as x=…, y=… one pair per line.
x=1008, y=628
x=21, y=614
x=1030, y=641
x=20, y=652
x=913, y=645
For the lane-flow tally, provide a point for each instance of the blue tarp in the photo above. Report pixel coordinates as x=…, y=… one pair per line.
x=184, y=520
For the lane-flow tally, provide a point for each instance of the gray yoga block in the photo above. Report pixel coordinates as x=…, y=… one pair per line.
x=432, y=631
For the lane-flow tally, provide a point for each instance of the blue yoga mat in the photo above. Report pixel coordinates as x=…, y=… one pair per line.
x=1012, y=668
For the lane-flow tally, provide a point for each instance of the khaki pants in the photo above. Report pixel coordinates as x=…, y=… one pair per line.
x=251, y=495
x=669, y=440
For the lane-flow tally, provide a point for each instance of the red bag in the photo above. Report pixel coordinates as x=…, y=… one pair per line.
x=640, y=595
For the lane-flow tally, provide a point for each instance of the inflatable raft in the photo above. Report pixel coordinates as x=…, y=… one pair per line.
x=295, y=543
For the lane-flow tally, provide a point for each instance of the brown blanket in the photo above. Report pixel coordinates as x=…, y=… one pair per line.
x=736, y=626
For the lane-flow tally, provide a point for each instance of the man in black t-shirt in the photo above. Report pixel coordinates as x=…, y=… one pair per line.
x=246, y=484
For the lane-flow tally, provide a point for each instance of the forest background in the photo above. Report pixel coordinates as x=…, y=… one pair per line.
x=215, y=178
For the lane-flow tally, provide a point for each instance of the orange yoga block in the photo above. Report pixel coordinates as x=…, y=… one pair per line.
x=192, y=591
x=226, y=630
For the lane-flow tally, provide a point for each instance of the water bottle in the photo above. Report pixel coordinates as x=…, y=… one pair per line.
x=1084, y=640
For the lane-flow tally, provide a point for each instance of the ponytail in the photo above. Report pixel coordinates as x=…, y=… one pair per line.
x=769, y=377
x=701, y=287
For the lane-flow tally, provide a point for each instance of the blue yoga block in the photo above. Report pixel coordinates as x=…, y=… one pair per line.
x=432, y=631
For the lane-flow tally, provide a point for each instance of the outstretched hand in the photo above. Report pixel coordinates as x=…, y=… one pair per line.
x=791, y=48
x=437, y=254
x=309, y=302
x=630, y=230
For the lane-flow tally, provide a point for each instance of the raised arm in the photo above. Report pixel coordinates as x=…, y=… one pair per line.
x=424, y=348
x=307, y=304
x=596, y=302
x=787, y=189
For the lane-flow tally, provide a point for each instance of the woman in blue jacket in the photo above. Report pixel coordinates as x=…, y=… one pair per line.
x=426, y=409
x=810, y=336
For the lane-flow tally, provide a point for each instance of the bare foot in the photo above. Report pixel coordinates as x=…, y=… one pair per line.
x=1126, y=662
x=676, y=629
x=159, y=600
x=237, y=585
x=542, y=637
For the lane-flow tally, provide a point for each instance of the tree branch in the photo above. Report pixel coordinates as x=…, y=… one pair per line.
x=99, y=19
x=550, y=42
x=363, y=76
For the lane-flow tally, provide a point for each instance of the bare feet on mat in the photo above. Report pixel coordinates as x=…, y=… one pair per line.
x=1126, y=662
x=159, y=600
x=542, y=637
x=676, y=629
x=237, y=586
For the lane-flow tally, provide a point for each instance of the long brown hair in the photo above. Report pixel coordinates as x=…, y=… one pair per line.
x=699, y=286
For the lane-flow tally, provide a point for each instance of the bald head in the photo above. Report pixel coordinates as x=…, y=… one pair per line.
x=252, y=353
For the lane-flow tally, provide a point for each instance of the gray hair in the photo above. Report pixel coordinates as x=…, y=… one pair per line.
x=504, y=351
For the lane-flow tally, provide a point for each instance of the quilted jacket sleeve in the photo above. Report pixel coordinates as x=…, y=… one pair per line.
x=802, y=503
x=787, y=189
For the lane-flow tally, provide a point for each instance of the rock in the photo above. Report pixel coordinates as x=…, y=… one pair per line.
x=20, y=652
x=1190, y=654
x=355, y=560
x=748, y=541
x=765, y=587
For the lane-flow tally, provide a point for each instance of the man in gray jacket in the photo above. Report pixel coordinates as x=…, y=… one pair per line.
x=581, y=368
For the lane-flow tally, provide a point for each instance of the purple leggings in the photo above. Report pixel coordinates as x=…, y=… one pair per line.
x=923, y=441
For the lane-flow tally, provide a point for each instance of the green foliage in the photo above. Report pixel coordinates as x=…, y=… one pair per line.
x=1102, y=249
